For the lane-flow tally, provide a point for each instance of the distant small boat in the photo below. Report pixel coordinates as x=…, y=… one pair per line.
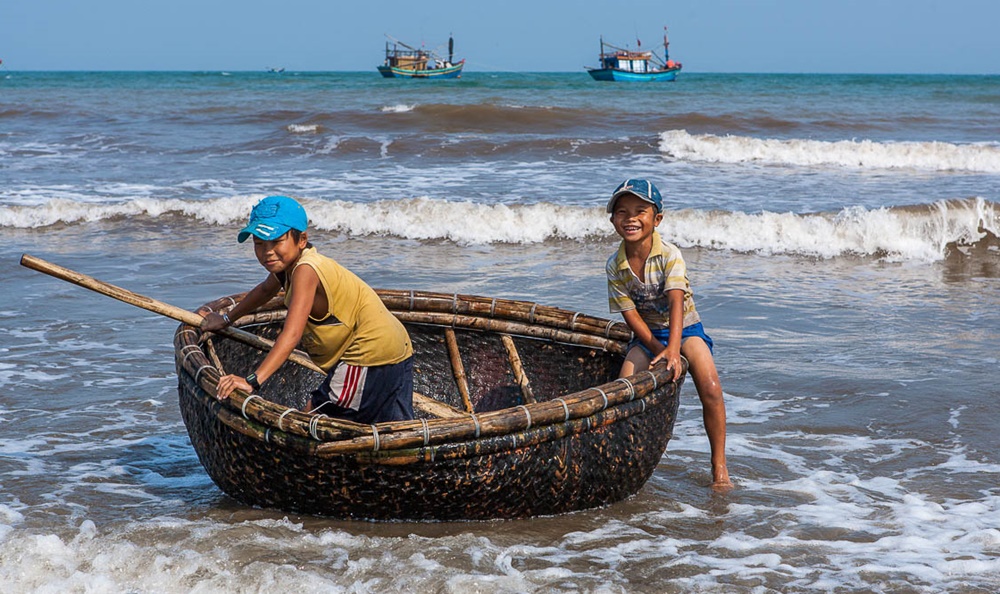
x=619, y=64
x=275, y=70
x=404, y=61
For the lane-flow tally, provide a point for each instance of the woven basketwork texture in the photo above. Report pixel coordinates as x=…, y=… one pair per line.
x=585, y=439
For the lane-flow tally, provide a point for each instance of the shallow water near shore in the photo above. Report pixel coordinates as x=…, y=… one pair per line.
x=859, y=380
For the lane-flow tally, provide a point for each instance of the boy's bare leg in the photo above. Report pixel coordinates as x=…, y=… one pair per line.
x=635, y=361
x=706, y=381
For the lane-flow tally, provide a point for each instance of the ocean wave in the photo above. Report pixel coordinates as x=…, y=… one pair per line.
x=487, y=117
x=862, y=154
x=303, y=128
x=925, y=232
x=398, y=108
x=920, y=232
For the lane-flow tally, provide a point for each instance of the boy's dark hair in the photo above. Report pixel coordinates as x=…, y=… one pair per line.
x=296, y=234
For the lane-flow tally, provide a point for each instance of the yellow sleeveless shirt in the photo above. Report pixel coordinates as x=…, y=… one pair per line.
x=357, y=329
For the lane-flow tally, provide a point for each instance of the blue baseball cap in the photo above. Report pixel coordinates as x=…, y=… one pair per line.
x=273, y=217
x=642, y=188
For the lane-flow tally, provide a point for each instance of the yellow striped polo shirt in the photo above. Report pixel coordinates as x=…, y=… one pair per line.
x=665, y=271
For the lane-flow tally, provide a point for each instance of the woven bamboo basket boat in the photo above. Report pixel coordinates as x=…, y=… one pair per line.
x=519, y=413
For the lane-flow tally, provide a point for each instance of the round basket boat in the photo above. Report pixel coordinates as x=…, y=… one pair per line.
x=519, y=413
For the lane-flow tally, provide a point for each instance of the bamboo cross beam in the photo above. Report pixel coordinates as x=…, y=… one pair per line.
x=457, y=369
x=517, y=368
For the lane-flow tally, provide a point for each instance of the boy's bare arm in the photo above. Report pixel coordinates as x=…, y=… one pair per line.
x=672, y=352
x=255, y=298
x=641, y=331
x=305, y=282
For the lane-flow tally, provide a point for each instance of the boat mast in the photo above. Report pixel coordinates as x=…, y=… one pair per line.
x=666, y=47
x=451, y=49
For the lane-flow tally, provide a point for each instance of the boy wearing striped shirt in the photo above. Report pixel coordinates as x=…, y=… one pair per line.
x=648, y=285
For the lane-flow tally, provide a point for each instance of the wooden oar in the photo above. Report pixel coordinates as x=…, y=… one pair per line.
x=192, y=319
x=165, y=309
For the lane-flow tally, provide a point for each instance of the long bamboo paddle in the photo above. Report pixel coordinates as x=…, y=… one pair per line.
x=192, y=319
x=165, y=309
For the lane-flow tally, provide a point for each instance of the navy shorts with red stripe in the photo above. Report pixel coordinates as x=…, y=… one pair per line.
x=387, y=395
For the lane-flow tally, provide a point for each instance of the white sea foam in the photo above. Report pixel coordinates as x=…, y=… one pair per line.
x=863, y=154
x=303, y=128
x=808, y=527
x=399, y=108
x=918, y=233
x=921, y=232
x=462, y=222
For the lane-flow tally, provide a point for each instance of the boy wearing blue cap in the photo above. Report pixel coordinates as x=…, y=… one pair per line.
x=648, y=285
x=339, y=320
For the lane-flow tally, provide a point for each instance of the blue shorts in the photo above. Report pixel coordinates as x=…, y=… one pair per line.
x=664, y=336
x=387, y=395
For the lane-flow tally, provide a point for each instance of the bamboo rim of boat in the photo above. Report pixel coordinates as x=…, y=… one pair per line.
x=324, y=436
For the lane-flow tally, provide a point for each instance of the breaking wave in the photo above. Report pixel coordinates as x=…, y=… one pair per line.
x=863, y=154
x=920, y=232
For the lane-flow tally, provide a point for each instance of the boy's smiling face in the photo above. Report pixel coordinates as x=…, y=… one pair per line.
x=278, y=255
x=634, y=218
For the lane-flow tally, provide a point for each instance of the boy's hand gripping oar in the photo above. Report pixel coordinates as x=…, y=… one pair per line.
x=165, y=309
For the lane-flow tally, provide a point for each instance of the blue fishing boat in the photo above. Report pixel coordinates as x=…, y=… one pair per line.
x=404, y=61
x=618, y=64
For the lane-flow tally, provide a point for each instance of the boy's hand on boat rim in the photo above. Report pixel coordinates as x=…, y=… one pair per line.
x=673, y=363
x=229, y=384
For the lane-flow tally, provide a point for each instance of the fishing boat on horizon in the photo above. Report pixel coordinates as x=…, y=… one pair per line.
x=619, y=64
x=405, y=61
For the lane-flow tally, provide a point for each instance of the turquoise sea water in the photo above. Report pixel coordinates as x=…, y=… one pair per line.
x=841, y=237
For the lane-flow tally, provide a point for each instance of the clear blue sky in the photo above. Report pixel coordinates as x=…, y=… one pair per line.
x=878, y=36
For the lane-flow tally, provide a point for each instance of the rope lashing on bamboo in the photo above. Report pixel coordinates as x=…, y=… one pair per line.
x=281, y=419
x=457, y=369
x=631, y=388
x=605, y=397
x=189, y=350
x=427, y=433
x=527, y=415
x=245, y=402
x=565, y=408
x=313, y=424
x=517, y=368
x=375, y=438
x=197, y=374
